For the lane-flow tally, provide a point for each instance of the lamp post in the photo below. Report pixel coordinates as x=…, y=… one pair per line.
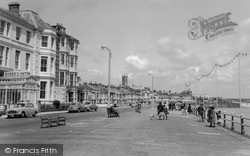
x=152, y=85
x=108, y=74
x=152, y=81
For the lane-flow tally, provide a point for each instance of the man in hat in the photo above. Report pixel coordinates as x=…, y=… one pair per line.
x=201, y=111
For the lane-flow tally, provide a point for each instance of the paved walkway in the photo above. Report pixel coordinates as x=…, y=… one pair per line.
x=180, y=135
x=134, y=134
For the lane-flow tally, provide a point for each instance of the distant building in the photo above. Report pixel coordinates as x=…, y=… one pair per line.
x=125, y=80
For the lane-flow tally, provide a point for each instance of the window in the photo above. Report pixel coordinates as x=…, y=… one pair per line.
x=71, y=45
x=76, y=62
x=28, y=36
x=52, y=64
x=17, y=59
x=27, y=61
x=44, y=41
x=76, y=46
x=67, y=60
x=62, y=58
x=43, y=89
x=18, y=33
x=61, y=79
x=72, y=61
x=71, y=79
x=51, y=89
x=52, y=42
x=7, y=56
x=8, y=29
x=1, y=54
x=44, y=64
x=62, y=41
x=2, y=27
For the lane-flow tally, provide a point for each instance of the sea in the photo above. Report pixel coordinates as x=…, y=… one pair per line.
x=245, y=111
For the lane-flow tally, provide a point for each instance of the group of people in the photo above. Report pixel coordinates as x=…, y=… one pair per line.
x=213, y=117
x=162, y=111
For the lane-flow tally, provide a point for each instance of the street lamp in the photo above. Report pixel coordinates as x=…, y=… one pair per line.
x=152, y=81
x=108, y=74
x=152, y=86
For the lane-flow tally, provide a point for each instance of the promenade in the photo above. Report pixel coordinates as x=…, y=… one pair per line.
x=131, y=134
x=134, y=134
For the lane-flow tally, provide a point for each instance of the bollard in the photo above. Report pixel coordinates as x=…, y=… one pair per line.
x=224, y=121
x=232, y=120
x=242, y=131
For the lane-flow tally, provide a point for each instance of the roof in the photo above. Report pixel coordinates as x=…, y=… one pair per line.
x=34, y=19
x=86, y=87
x=8, y=14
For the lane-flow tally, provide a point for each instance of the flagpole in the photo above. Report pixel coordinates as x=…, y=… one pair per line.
x=239, y=84
x=216, y=85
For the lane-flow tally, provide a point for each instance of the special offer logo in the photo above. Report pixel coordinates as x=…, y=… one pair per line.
x=7, y=150
x=210, y=28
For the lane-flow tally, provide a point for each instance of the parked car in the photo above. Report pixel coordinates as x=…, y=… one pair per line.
x=22, y=109
x=90, y=106
x=76, y=107
x=2, y=109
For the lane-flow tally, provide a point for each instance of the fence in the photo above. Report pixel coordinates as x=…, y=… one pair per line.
x=238, y=123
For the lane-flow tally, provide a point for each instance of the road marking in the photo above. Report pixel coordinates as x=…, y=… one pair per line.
x=209, y=133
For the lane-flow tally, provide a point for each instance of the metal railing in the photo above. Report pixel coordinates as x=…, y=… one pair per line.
x=240, y=122
x=234, y=120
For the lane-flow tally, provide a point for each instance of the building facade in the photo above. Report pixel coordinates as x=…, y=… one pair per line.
x=66, y=64
x=17, y=52
x=32, y=52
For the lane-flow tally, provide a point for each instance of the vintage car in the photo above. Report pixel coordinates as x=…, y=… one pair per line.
x=90, y=106
x=22, y=109
x=76, y=107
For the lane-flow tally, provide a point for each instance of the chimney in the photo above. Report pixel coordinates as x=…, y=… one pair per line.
x=14, y=7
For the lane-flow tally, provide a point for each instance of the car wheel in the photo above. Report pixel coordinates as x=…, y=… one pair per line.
x=8, y=116
x=34, y=115
x=23, y=115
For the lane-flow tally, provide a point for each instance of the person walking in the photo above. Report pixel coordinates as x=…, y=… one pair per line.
x=189, y=109
x=201, y=111
x=212, y=117
x=160, y=110
x=184, y=109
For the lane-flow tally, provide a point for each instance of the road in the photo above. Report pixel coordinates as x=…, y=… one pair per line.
x=133, y=134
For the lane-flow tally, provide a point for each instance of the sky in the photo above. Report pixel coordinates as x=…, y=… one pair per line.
x=151, y=37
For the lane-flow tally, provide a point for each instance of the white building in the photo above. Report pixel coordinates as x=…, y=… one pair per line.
x=34, y=53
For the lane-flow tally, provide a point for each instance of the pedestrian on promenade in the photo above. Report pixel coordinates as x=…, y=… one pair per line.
x=211, y=116
x=218, y=115
x=184, y=109
x=160, y=110
x=189, y=109
x=201, y=111
x=166, y=111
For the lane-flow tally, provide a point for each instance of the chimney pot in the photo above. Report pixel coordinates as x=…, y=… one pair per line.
x=14, y=7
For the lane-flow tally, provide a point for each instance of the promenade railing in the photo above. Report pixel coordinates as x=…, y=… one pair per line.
x=233, y=122
x=236, y=121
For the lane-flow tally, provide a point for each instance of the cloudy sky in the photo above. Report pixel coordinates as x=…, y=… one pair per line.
x=151, y=36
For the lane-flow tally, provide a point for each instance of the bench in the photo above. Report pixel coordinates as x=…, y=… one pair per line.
x=112, y=112
x=52, y=121
x=61, y=120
